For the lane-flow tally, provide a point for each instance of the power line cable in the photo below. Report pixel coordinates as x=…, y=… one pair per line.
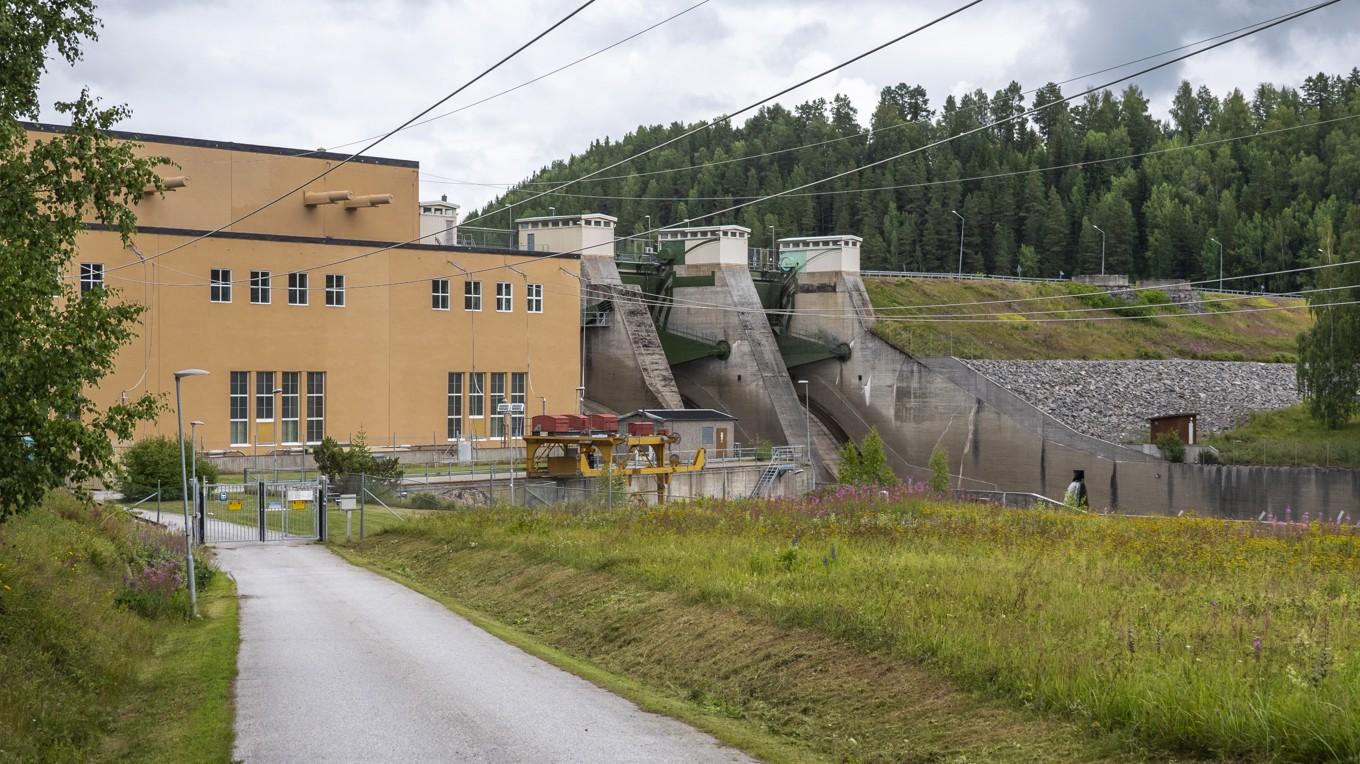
x=377, y=141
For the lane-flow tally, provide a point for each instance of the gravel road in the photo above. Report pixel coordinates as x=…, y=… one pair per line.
x=339, y=664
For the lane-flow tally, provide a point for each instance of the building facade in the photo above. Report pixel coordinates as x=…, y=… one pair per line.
x=321, y=315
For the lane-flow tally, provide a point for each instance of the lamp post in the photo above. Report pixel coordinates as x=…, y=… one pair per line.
x=962, y=223
x=193, y=449
x=1220, y=262
x=1102, y=248
x=278, y=429
x=552, y=211
x=807, y=425
x=184, y=489
x=581, y=400
x=773, y=254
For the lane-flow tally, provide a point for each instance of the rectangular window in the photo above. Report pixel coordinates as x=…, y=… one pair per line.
x=259, y=287
x=497, y=398
x=316, y=406
x=335, y=290
x=519, y=381
x=264, y=397
x=505, y=296
x=297, y=289
x=476, y=381
x=439, y=294
x=91, y=276
x=240, y=408
x=290, y=403
x=472, y=295
x=534, y=298
x=455, y=405
x=220, y=284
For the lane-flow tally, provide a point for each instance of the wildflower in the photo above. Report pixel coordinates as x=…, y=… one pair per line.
x=1256, y=649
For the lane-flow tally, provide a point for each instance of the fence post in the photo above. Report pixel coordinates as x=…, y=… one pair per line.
x=363, y=501
x=260, y=510
x=200, y=507
x=158, y=502
x=322, y=518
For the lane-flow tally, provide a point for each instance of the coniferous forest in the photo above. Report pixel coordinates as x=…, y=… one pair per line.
x=1273, y=176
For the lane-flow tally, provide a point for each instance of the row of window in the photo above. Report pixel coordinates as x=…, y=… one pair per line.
x=290, y=394
x=262, y=289
x=468, y=395
x=472, y=296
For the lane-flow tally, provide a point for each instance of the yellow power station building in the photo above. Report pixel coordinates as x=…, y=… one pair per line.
x=314, y=317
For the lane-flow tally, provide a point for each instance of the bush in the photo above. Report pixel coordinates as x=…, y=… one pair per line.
x=334, y=460
x=1169, y=443
x=157, y=459
x=939, y=470
x=764, y=450
x=424, y=501
x=865, y=464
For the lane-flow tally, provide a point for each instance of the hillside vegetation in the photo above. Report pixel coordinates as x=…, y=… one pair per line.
x=1106, y=637
x=98, y=661
x=1215, y=335
x=1032, y=190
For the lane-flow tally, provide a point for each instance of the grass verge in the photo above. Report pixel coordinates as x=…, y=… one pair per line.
x=1289, y=436
x=100, y=663
x=866, y=628
x=1217, y=335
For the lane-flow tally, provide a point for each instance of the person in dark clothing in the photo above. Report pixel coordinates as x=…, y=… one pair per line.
x=1076, y=490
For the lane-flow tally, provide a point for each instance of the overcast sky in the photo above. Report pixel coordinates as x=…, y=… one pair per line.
x=317, y=73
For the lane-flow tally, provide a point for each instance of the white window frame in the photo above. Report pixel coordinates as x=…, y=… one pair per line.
x=219, y=280
x=476, y=395
x=316, y=407
x=242, y=400
x=454, y=429
x=91, y=276
x=291, y=382
x=533, y=298
x=472, y=296
x=519, y=389
x=335, y=290
x=494, y=400
x=299, y=292
x=439, y=294
x=261, y=288
x=505, y=296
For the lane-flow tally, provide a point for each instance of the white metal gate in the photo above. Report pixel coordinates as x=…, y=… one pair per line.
x=265, y=511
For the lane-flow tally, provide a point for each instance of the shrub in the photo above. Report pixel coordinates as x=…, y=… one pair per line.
x=157, y=459
x=335, y=460
x=939, y=470
x=1169, y=443
x=764, y=450
x=865, y=464
x=424, y=501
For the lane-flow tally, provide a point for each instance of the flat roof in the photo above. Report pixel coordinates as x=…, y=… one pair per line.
x=291, y=239
x=680, y=415
x=583, y=215
x=1172, y=416
x=254, y=148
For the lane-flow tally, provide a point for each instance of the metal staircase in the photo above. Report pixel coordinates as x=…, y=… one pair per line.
x=782, y=459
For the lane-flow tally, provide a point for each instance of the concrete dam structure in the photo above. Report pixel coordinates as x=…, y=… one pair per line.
x=702, y=320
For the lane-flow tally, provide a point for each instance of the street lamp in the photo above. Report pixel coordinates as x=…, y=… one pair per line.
x=1102, y=248
x=1220, y=262
x=193, y=449
x=962, y=223
x=552, y=211
x=807, y=425
x=184, y=488
x=278, y=429
x=581, y=400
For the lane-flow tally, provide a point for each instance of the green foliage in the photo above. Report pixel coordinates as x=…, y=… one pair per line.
x=58, y=343
x=1169, y=443
x=1329, y=352
x=336, y=461
x=156, y=461
x=95, y=635
x=866, y=463
x=939, y=470
x=1290, y=436
x=764, y=450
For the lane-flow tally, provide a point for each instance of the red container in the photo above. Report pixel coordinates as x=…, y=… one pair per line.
x=604, y=423
x=640, y=429
x=576, y=423
x=550, y=424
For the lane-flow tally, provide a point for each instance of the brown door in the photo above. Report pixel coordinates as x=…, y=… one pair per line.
x=722, y=442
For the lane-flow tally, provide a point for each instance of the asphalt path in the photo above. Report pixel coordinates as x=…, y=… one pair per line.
x=338, y=664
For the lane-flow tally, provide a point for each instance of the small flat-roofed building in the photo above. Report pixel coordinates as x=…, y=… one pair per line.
x=1184, y=425
x=698, y=428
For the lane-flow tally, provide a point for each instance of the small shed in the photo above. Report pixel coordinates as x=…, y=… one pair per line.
x=709, y=429
x=1184, y=425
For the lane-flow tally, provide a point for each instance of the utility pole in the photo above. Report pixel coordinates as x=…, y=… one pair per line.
x=1102, y=248
x=962, y=223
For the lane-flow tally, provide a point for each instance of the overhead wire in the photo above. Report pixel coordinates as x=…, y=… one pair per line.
x=332, y=168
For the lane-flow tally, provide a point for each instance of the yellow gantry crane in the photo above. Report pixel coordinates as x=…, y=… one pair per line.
x=563, y=455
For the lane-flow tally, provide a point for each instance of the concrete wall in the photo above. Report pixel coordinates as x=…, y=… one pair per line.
x=626, y=368
x=995, y=440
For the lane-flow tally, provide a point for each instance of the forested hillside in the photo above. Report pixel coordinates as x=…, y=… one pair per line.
x=1031, y=191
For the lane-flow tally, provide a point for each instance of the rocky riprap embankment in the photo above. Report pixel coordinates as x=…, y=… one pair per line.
x=1113, y=399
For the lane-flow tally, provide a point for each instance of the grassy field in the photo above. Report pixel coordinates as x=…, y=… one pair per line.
x=1290, y=437
x=870, y=628
x=96, y=668
x=1215, y=335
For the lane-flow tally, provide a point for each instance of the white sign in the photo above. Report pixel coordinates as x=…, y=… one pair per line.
x=510, y=408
